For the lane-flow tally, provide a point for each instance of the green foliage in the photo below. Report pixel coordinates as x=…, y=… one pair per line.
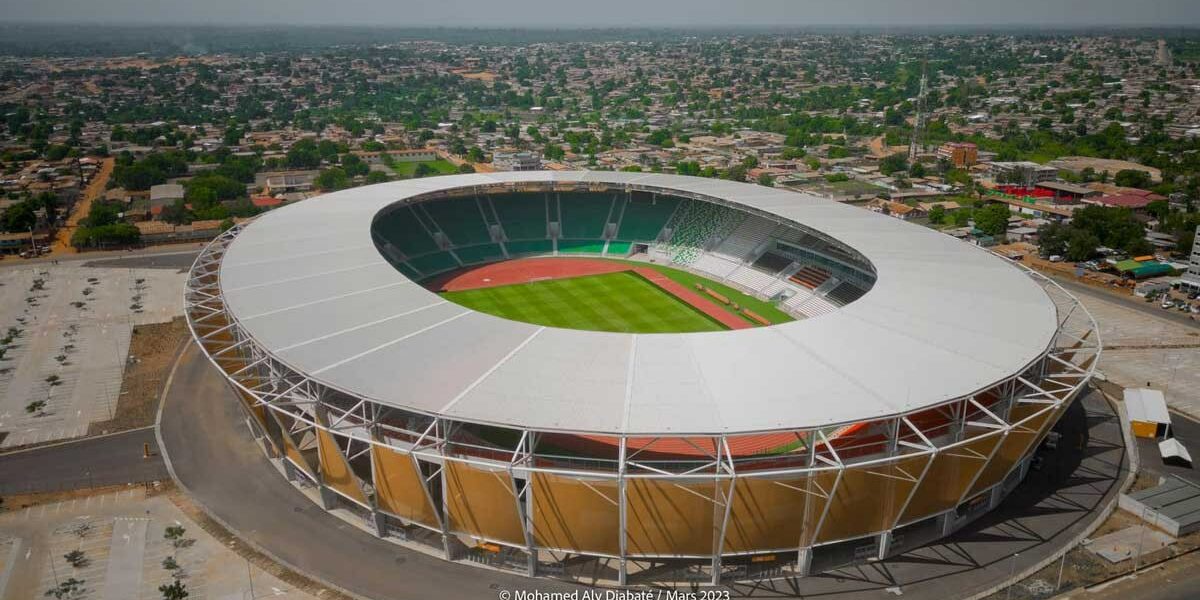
x=1134, y=178
x=175, y=590
x=303, y=155
x=893, y=163
x=354, y=166
x=837, y=177
x=993, y=218
x=937, y=214
x=150, y=171
x=378, y=177
x=553, y=152
x=333, y=178
x=113, y=234
x=70, y=588
x=1092, y=227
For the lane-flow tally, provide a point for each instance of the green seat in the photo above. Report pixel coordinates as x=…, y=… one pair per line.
x=523, y=216
x=584, y=215
x=401, y=228
x=529, y=247
x=645, y=216
x=460, y=219
x=479, y=254
x=430, y=264
x=580, y=246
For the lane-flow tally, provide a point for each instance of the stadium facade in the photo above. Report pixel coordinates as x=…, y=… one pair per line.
x=905, y=401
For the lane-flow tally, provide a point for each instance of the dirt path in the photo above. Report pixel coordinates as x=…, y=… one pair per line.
x=879, y=149
x=94, y=190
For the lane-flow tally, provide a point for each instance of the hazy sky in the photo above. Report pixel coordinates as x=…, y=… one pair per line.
x=598, y=13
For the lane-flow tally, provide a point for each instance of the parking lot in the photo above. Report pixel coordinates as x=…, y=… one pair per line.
x=64, y=341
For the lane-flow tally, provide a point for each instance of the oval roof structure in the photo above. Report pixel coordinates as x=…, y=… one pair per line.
x=944, y=320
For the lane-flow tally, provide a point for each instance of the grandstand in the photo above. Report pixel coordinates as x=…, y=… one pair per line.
x=753, y=253
x=636, y=457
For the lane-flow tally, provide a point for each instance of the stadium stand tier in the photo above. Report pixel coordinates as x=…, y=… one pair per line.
x=799, y=271
x=584, y=215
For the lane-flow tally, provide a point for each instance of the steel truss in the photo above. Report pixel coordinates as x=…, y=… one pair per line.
x=285, y=409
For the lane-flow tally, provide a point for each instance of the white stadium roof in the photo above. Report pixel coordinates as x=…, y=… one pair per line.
x=943, y=320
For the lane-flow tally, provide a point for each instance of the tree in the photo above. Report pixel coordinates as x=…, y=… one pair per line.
x=475, y=154
x=76, y=558
x=232, y=135
x=303, y=155
x=735, y=173
x=1081, y=245
x=937, y=214
x=37, y=407
x=423, y=170
x=1052, y=239
x=766, y=180
x=173, y=591
x=917, y=170
x=992, y=219
x=1159, y=208
x=553, y=152
x=331, y=179
x=377, y=177
x=354, y=166
x=1134, y=178
x=893, y=163
x=70, y=588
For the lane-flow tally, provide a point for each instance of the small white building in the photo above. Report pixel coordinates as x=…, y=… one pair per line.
x=1147, y=412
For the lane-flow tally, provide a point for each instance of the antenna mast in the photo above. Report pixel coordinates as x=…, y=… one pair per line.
x=914, y=142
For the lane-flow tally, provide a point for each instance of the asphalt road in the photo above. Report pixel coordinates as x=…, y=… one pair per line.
x=92, y=462
x=105, y=255
x=203, y=433
x=213, y=456
x=179, y=261
x=1131, y=302
x=1187, y=431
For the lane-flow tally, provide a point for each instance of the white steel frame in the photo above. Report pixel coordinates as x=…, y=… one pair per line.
x=1051, y=381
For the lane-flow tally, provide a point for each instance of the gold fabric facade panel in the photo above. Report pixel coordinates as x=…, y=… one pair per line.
x=949, y=476
x=335, y=471
x=576, y=514
x=1015, y=445
x=769, y=513
x=400, y=488
x=869, y=498
x=481, y=503
x=670, y=518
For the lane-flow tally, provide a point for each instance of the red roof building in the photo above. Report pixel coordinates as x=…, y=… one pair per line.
x=266, y=202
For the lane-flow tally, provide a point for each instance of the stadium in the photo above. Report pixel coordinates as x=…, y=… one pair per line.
x=635, y=378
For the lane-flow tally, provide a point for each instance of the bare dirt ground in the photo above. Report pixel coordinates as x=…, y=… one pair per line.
x=95, y=189
x=879, y=149
x=151, y=350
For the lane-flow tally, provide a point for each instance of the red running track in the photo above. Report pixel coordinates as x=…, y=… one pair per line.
x=522, y=270
x=693, y=299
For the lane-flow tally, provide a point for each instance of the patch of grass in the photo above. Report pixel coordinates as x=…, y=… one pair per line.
x=408, y=169
x=689, y=280
x=619, y=302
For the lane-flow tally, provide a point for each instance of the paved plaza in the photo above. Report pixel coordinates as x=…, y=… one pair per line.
x=65, y=332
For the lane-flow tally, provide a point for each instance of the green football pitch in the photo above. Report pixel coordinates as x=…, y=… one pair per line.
x=622, y=301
